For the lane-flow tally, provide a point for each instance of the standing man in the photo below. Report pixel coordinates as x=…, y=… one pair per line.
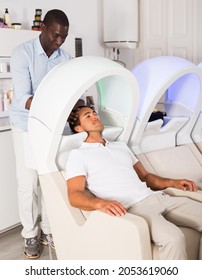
x=30, y=62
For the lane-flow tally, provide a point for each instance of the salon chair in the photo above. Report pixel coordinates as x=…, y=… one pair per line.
x=165, y=147
x=81, y=234
x=197, y=130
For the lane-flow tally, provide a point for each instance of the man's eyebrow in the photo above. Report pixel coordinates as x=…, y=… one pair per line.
x=88, y=112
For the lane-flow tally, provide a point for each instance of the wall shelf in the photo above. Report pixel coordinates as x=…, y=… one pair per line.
x=6, y=75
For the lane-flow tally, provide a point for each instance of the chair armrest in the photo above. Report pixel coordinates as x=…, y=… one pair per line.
x=177, y=192
x=199, y=186
x=125, y=237
x=98, y=236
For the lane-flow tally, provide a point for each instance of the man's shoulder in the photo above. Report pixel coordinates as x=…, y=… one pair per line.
x=27, y=43
x=64, y=53
x=75, y=151
x=25, y=47
x=75, y=154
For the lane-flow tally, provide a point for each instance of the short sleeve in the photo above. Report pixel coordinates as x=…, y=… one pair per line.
x=75, y=165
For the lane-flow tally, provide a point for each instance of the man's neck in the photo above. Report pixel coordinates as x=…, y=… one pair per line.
x=95, y=138
x=46, y=50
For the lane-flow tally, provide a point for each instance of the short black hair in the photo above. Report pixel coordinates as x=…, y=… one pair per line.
x=57, y=16
x=73, y=124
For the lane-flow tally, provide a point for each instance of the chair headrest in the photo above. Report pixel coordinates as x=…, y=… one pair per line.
x=74, y=141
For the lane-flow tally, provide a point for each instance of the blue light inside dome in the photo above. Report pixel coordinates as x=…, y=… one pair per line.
x=185, y=90
x=171, y=75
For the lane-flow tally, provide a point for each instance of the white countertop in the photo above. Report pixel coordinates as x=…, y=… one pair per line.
x=4, y=124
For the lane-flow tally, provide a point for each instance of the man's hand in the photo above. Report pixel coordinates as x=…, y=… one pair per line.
x=28, y=103
x=185, y=185
x=112, y=208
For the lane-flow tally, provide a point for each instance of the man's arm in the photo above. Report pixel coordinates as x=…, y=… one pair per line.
x=80, y=199
x=159, y=183
x=21, y=78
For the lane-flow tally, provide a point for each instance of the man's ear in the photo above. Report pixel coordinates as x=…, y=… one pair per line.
x=43, y=26
x=78, y=128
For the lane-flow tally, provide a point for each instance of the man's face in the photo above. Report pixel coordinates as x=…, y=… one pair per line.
x=89, y=120
x=53, y=36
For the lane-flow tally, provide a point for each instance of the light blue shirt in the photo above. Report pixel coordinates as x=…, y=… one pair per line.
x=29, y=64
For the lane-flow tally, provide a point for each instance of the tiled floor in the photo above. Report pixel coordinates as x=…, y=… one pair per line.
x=12, y=247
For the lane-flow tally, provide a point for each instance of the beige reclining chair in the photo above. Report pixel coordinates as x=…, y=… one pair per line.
x=165, y=147
x=79, y=234
x=197, y=129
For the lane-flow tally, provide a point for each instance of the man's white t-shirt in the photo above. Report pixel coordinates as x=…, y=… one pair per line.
x=109, y=171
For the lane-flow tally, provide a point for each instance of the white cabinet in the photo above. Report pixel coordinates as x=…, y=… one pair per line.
x=5, y=84
x=8, y=183
x=9, y=215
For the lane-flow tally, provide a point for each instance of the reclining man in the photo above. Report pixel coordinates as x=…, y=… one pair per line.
x=120, y=184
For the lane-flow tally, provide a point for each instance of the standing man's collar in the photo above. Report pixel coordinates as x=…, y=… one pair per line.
x=40, y=49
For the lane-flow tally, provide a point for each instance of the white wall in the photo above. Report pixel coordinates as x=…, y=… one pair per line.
x=85, y=17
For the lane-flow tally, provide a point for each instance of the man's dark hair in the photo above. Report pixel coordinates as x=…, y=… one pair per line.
x=73, y=124
x=57, y=16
